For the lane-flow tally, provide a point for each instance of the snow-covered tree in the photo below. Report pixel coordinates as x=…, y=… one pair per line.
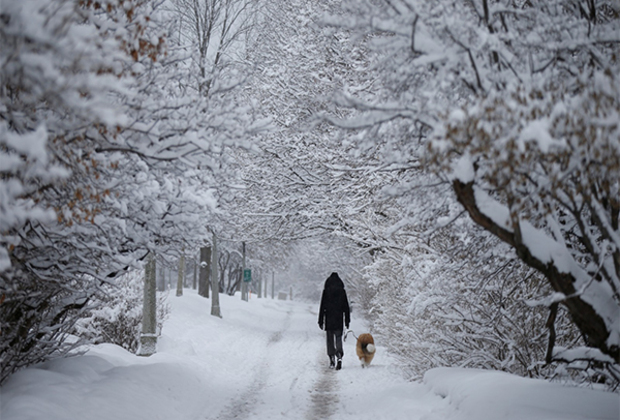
x=60, y=71
x=213, y=35
x=521, y=102
x=107, y=159
x=545, y=181
x=285, y=184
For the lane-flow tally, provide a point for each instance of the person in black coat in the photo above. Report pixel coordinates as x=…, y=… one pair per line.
x=333, y=311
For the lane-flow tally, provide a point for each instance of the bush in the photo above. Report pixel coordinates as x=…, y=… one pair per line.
x=115, y=315
x=36, y=317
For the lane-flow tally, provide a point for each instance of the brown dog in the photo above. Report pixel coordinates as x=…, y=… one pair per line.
x=365, y=349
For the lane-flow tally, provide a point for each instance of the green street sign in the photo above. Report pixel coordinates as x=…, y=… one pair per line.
x=247, y=275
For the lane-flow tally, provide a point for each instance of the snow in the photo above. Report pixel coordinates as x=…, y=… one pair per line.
x=581, y=353
x=493, y=209
x=464, y=169
x=491, y=395
x=265, y=359
x=29, y=144
x=538, y=131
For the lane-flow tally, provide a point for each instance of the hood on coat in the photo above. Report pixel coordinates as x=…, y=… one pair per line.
x=334, y=282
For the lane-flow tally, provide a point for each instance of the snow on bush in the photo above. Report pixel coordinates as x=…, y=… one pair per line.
x=522, y=128
x=471, y=306
x=115, y=315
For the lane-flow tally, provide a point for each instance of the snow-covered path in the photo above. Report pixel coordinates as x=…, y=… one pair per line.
x=271, y=362
x=266, y=359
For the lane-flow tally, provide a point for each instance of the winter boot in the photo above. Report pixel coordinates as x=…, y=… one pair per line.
x=339, y=365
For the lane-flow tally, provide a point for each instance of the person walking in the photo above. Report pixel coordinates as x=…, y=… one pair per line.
x=333, y=311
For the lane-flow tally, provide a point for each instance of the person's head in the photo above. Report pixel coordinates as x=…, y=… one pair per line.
x=334, y=282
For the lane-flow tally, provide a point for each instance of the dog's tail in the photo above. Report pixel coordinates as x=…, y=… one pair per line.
x=370, y=348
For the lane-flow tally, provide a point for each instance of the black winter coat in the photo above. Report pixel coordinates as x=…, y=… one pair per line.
x=334, y=305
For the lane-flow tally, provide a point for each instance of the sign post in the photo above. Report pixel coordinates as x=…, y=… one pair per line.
x=244, y=285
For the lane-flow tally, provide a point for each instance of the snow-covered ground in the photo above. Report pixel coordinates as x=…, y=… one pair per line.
x=266, y=360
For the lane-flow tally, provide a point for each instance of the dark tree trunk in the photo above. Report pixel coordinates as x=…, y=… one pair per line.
x=205, y=271
x=585, y=317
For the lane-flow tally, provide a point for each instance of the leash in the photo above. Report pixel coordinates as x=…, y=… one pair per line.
x=349, y=332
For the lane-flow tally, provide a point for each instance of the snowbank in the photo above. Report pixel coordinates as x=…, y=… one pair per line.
x=266, y=360
x=491, y=395
x=106, y=383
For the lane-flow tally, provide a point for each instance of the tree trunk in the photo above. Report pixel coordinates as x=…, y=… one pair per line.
x=203, y=281
x=195, y=278
x=585, y=317
x=148, y=337
x=161, y=279
x=244, y=285
x=181, y=277
x=215, y=299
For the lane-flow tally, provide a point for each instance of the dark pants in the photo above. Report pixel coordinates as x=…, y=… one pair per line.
x=334, y=344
